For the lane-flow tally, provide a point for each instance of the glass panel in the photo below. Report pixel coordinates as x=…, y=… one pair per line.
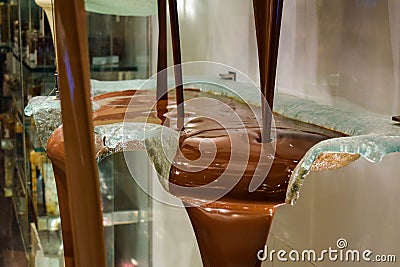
x=122, y=7
x=118, y=47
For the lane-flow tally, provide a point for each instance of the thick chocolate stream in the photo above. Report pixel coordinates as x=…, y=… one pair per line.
x=176, y=48
x=78, y=184
x=228, y=234
x=267, y=18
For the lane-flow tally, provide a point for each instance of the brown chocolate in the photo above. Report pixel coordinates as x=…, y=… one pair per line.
x=244, y=216
x=233, y=228
x=267, y=18
x=229, y=234
x=176, y=49
x=77, y=184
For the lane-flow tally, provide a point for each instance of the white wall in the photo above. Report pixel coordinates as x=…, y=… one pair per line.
x=220, y=31
x=345, y=51
x=342, y=52
x=358, y=202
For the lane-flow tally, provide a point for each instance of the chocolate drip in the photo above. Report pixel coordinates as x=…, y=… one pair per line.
x=162, y=75
x=267, y=17
x=176, y=47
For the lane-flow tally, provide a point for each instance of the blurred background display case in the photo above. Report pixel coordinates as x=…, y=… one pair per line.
x=30, y=223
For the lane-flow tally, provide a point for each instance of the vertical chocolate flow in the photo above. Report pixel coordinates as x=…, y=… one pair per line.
x=230, y=237
x=82, y=192
x=176, y=47
x=267, y=17
x=162, y=78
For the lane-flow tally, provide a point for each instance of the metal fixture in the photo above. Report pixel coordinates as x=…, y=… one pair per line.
x=56, y=89
x=231, y=75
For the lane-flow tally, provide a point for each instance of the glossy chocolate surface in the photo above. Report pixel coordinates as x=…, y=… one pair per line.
x=232, y=229
x=77, y=184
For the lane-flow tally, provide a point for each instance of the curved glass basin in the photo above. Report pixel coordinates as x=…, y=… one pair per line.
x=370, y=136
x=364, y=139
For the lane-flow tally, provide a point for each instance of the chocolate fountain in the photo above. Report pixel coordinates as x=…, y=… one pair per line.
x=77, y=179
x=233, y=228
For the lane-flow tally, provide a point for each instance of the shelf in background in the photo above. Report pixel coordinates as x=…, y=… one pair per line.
x=21, y=174
x=125, y=217
x=21, y=227
x=112, y=68
x=94, y=68
x=5, y=47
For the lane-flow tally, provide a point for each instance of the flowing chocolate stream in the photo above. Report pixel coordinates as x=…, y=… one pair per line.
x=162, y=75
x=77, y=180
x=176, y=47
x=267, y=17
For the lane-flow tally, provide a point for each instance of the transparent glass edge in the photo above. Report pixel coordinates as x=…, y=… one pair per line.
x=370, y=135
x=372, y=147
x=122, y=8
